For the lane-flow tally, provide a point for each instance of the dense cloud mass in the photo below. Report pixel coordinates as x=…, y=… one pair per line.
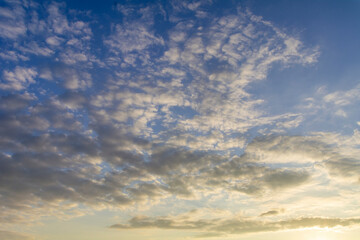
x=157, y=115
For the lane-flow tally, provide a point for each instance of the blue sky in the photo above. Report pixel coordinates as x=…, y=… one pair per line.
x=179, y=120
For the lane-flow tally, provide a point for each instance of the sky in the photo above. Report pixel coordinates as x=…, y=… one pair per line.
x=178, y=120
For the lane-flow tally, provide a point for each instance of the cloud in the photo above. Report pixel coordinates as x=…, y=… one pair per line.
x=331, y=108
x=13, y=56
x=157, y=115
x=36, y=49
x=105, y=166
x=127, y=40
x=271, y=213
x=235, y=225
x=15, y=102
x=69, y=77
x=73, y=100
x=224, y=104
x=343, y=98
x=213, y=88
x=286, y=149
x=131, y=41
x=111, y=168
x=19, y=79
x=45, y=37
x=56, y=41
x=284, y=179
x=12, y=24
x=346, y=168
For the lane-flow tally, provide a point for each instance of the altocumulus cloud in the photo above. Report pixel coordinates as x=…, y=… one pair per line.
x=158, y=115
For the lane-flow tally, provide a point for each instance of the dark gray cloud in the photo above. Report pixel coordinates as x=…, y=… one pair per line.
x=344, y=167
x=73, y=100
x=15, y=102
x=285, y=178
x=272, y=213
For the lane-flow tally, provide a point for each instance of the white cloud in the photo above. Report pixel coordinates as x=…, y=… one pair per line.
x=135, y=33
x=12, y=24
x=19, y=79
x=56, y=41
x=58, y=21
x=70, y=58
x=13, y=56
x=343, y=98
x=34, y=48
x=134, y=37
x=234, y=57
x=326, y=105
x=43, y=37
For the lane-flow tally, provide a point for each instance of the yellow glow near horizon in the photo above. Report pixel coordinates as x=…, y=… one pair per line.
x=322, y=235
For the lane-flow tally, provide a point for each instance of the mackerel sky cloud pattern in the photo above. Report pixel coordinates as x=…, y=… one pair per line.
x=134, y=118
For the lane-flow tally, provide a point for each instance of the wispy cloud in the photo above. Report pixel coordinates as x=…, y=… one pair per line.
x=236, y=225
